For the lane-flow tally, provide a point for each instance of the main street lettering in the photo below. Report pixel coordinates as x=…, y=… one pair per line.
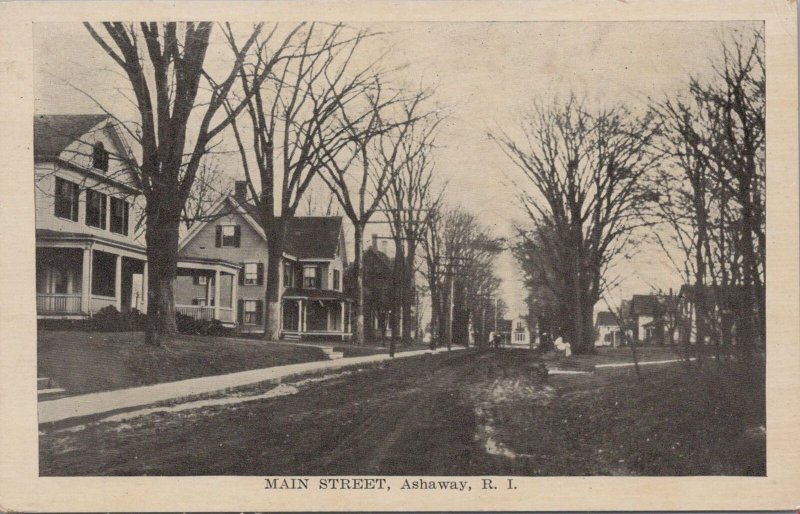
x=453, y=485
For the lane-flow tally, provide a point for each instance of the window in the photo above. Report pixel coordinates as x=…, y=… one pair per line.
x=311, y=277
x=200, y=280
x=288, y=274
x=228, y=235
x=250, y=312
x=201, y=302
x=336, y=280
x=95, y=209
x=67, y=194
x=251, y=274
x=100, y=157
x=119, y=216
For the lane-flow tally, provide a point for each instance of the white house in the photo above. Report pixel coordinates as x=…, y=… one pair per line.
x=520, y=333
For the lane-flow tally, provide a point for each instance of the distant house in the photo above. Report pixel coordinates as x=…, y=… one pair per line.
x=378, y=275
x=504, y=329
x=648, y=313
x=608, y=331
x=313, y=302
x=520, y=334
x=721, y=308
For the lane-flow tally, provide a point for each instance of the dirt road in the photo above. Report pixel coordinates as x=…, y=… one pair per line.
x=464, y=413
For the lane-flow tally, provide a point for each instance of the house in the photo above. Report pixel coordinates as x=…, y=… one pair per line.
x=313, y=302
x=520, y=334
x=88, y=254
x=722, y=308
x=647, y=313
x=608, y=331
x=503, y=328
x=378, y=281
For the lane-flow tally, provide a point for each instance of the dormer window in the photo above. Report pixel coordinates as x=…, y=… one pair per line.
x=100, y=157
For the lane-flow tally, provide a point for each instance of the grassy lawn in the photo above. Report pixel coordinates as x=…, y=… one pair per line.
x=84, y=362
x=459, y=413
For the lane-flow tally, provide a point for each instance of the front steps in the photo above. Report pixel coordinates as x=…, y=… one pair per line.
x=331, y=353
x=46, y=390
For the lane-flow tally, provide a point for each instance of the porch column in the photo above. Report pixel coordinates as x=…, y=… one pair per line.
x=299, y=315
x=341, y=318
x=86, y=280
x=234, y=297
x=216, y=293
x=118, y=282
x=145, y=288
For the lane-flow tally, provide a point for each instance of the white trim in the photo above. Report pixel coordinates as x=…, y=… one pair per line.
x=215, y=209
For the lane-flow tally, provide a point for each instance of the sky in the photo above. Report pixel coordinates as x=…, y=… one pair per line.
x=485, y=75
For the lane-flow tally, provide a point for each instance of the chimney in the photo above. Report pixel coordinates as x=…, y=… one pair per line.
x=375, y=242
x=240, y=191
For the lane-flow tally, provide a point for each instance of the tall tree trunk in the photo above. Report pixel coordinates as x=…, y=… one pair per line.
x=409, y=294
x=358, y=261
x=275, y=230
x=162, y=258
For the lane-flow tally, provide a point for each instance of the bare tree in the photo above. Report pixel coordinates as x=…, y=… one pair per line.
x=406, y=205
x=712, y=193
x=291, y=117
x=164, y=63
x=357, y=172
x=585, y=171
x=209, y=187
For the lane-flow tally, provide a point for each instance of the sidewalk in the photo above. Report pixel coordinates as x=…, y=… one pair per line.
x=106, y=401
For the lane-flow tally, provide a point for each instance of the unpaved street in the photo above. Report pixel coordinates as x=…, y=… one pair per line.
x=463, y=413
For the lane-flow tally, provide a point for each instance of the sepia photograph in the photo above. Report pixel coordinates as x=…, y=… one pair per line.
x=387, y=256
x=269, y=238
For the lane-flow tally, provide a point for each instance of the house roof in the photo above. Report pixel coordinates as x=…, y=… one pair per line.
x=312, y=237
x=605, y=318
x=645, y=304
x=308, y=237
x=504, y=325
x=716, y=294
x=53, y=133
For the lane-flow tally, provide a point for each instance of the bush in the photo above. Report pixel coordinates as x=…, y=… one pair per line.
x=109, y=319
x=189, y=325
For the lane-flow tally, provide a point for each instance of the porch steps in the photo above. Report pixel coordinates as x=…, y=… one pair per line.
x=46, y=390
x=332, y=355
x=291, y=337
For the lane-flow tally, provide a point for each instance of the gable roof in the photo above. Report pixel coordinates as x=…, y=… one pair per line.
x=313, y=237
x=605, y=318
x=646, y=305
x=53, y=133
x=307, y=237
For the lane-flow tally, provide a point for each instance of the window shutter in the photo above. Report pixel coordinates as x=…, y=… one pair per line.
x=103, y=210
x=219, y=236
x=237, y=235
x=76, y=195
x=260, y=271
x=241, y=275
x=259, y=312
x=319, y=277
x=196, y=279
x=240, y=312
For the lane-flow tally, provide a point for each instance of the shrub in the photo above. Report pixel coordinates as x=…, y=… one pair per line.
x=189, y=325
x=109, y=319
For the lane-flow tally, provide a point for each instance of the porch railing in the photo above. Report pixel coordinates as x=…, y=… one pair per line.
x=58, y=303
x=199, y=312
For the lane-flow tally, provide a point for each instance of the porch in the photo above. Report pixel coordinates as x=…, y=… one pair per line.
x=75, y=280
x=315, y=314
x=206, y=289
